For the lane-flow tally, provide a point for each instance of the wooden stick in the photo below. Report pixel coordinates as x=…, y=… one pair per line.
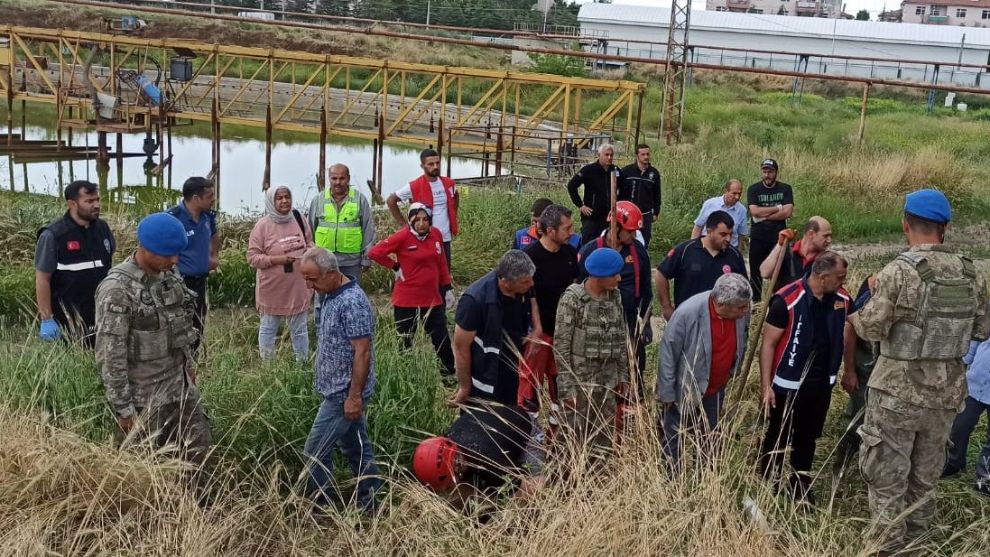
x=613, y=229
x=755, y=336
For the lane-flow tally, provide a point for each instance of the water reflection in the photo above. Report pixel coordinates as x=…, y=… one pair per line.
x=242, y=165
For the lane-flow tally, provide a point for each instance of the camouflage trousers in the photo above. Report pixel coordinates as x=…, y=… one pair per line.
x=591, y=422
x=182, y=425
x=901, y=457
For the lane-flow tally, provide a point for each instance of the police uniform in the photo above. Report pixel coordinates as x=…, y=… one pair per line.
x=927, y=305
x=78, y=258
x=592, y=359
x=144, y=348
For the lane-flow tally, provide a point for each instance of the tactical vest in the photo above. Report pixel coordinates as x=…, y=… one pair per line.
x=944, y=323
x=161, y=324
x=593, y=327
x=83, y=259
x=340, y=232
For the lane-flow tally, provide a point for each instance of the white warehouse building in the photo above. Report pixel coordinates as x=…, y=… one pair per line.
x=815, y=45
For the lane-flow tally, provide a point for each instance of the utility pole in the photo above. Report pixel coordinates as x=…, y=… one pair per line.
x=675, y=72
x=428, y=6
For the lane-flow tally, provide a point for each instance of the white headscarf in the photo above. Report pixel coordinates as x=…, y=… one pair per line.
x=270, y=209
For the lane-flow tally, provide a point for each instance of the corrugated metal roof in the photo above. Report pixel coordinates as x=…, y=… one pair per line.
x=913, y=33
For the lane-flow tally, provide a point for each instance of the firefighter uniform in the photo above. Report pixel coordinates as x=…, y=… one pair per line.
x=592, y=360
x=926, y=306
x=144, y=348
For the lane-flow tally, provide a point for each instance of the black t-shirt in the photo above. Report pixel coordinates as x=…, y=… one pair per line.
x=762, y=196
x=492, y=438
x=777, y=316
x=694, y=270
x=555, y=271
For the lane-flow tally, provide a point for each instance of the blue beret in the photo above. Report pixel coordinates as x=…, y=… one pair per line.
x=162, y=234
x=930, y=205
x=603, y=262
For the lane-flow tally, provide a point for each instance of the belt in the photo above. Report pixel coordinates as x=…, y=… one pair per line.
x=196, y=277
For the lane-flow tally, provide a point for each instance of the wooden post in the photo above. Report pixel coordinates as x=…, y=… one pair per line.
x=862, y=112
x=613, y=231
x=267, y=180
x=119, y=155
x=756, y=330
x=321, y=176
x=374, y=166
x=498, y=153
x=376, y=196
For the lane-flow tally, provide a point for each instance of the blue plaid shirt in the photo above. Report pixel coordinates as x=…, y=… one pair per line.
x=346, y=315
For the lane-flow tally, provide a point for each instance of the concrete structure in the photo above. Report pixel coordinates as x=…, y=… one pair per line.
x=800, y=8
x=968, y=13
x=816, y=45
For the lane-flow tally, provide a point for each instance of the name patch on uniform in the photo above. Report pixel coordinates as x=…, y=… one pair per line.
x=72, y=245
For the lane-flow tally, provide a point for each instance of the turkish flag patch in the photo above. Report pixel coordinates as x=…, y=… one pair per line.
x=726, y=269
x=72, y=245
x=670, y=253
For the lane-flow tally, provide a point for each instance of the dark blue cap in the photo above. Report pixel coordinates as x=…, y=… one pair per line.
x=603, y=262
x=929, y=205
x=162, y=234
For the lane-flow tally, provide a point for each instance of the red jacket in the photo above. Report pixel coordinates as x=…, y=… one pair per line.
x=423, y=265
x=423, y=193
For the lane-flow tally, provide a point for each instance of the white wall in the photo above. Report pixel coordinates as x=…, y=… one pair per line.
x=811, y=45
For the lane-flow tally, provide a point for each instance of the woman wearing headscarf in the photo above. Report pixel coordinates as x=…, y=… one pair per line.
x=416, y=256
x=277, y=242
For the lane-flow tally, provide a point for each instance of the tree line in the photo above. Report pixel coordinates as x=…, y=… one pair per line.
x=494, y=14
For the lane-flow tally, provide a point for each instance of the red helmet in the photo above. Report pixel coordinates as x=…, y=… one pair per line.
x=433, y=462
x=630, y=217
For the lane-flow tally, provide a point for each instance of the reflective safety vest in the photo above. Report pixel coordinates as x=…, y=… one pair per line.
x=341, y=231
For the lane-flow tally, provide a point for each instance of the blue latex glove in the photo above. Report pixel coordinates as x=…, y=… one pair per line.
x=49, y=330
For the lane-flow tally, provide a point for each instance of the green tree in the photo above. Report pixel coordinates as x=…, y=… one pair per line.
x=333, y=7
x=862, y=15
x=299, y=6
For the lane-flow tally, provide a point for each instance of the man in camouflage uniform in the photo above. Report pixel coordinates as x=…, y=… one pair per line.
x=592, y=356
x=144, y=344
x=926, y=305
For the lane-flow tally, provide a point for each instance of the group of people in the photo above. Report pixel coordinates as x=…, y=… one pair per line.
x=558, y=328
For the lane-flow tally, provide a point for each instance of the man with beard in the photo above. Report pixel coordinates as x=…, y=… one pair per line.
x=436, y=192
x=695, y=265
x=73, y=255
x=771, y=203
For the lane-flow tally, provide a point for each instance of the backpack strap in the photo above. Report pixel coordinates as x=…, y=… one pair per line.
x=299, y=221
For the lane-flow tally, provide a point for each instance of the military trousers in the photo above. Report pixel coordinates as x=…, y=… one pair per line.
x=590, y=422
x=181, y=426
x=901, y=457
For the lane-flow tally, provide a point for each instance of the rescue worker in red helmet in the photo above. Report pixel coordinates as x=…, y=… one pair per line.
x=484, y=449
x=636, y=283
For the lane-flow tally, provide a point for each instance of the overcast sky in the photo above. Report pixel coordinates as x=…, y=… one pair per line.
x=852, y=6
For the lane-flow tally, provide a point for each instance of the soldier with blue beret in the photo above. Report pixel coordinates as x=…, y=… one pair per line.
x=144, y=345
x=925, y=307
x=592, y=356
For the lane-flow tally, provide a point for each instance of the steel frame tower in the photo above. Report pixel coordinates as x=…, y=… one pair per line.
x=675, y=72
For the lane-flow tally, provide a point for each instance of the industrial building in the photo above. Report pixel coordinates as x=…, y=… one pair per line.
x=800, y=8
x=841, y=47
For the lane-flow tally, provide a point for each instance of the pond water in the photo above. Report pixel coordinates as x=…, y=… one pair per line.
x=295, y=163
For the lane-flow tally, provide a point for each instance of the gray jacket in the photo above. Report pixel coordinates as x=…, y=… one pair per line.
x=686, y=352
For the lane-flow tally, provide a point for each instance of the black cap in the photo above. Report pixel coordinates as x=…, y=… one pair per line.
x=769, y=163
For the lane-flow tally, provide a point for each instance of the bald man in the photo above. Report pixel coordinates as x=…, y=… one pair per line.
x=341, y=220
x=798, y=259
